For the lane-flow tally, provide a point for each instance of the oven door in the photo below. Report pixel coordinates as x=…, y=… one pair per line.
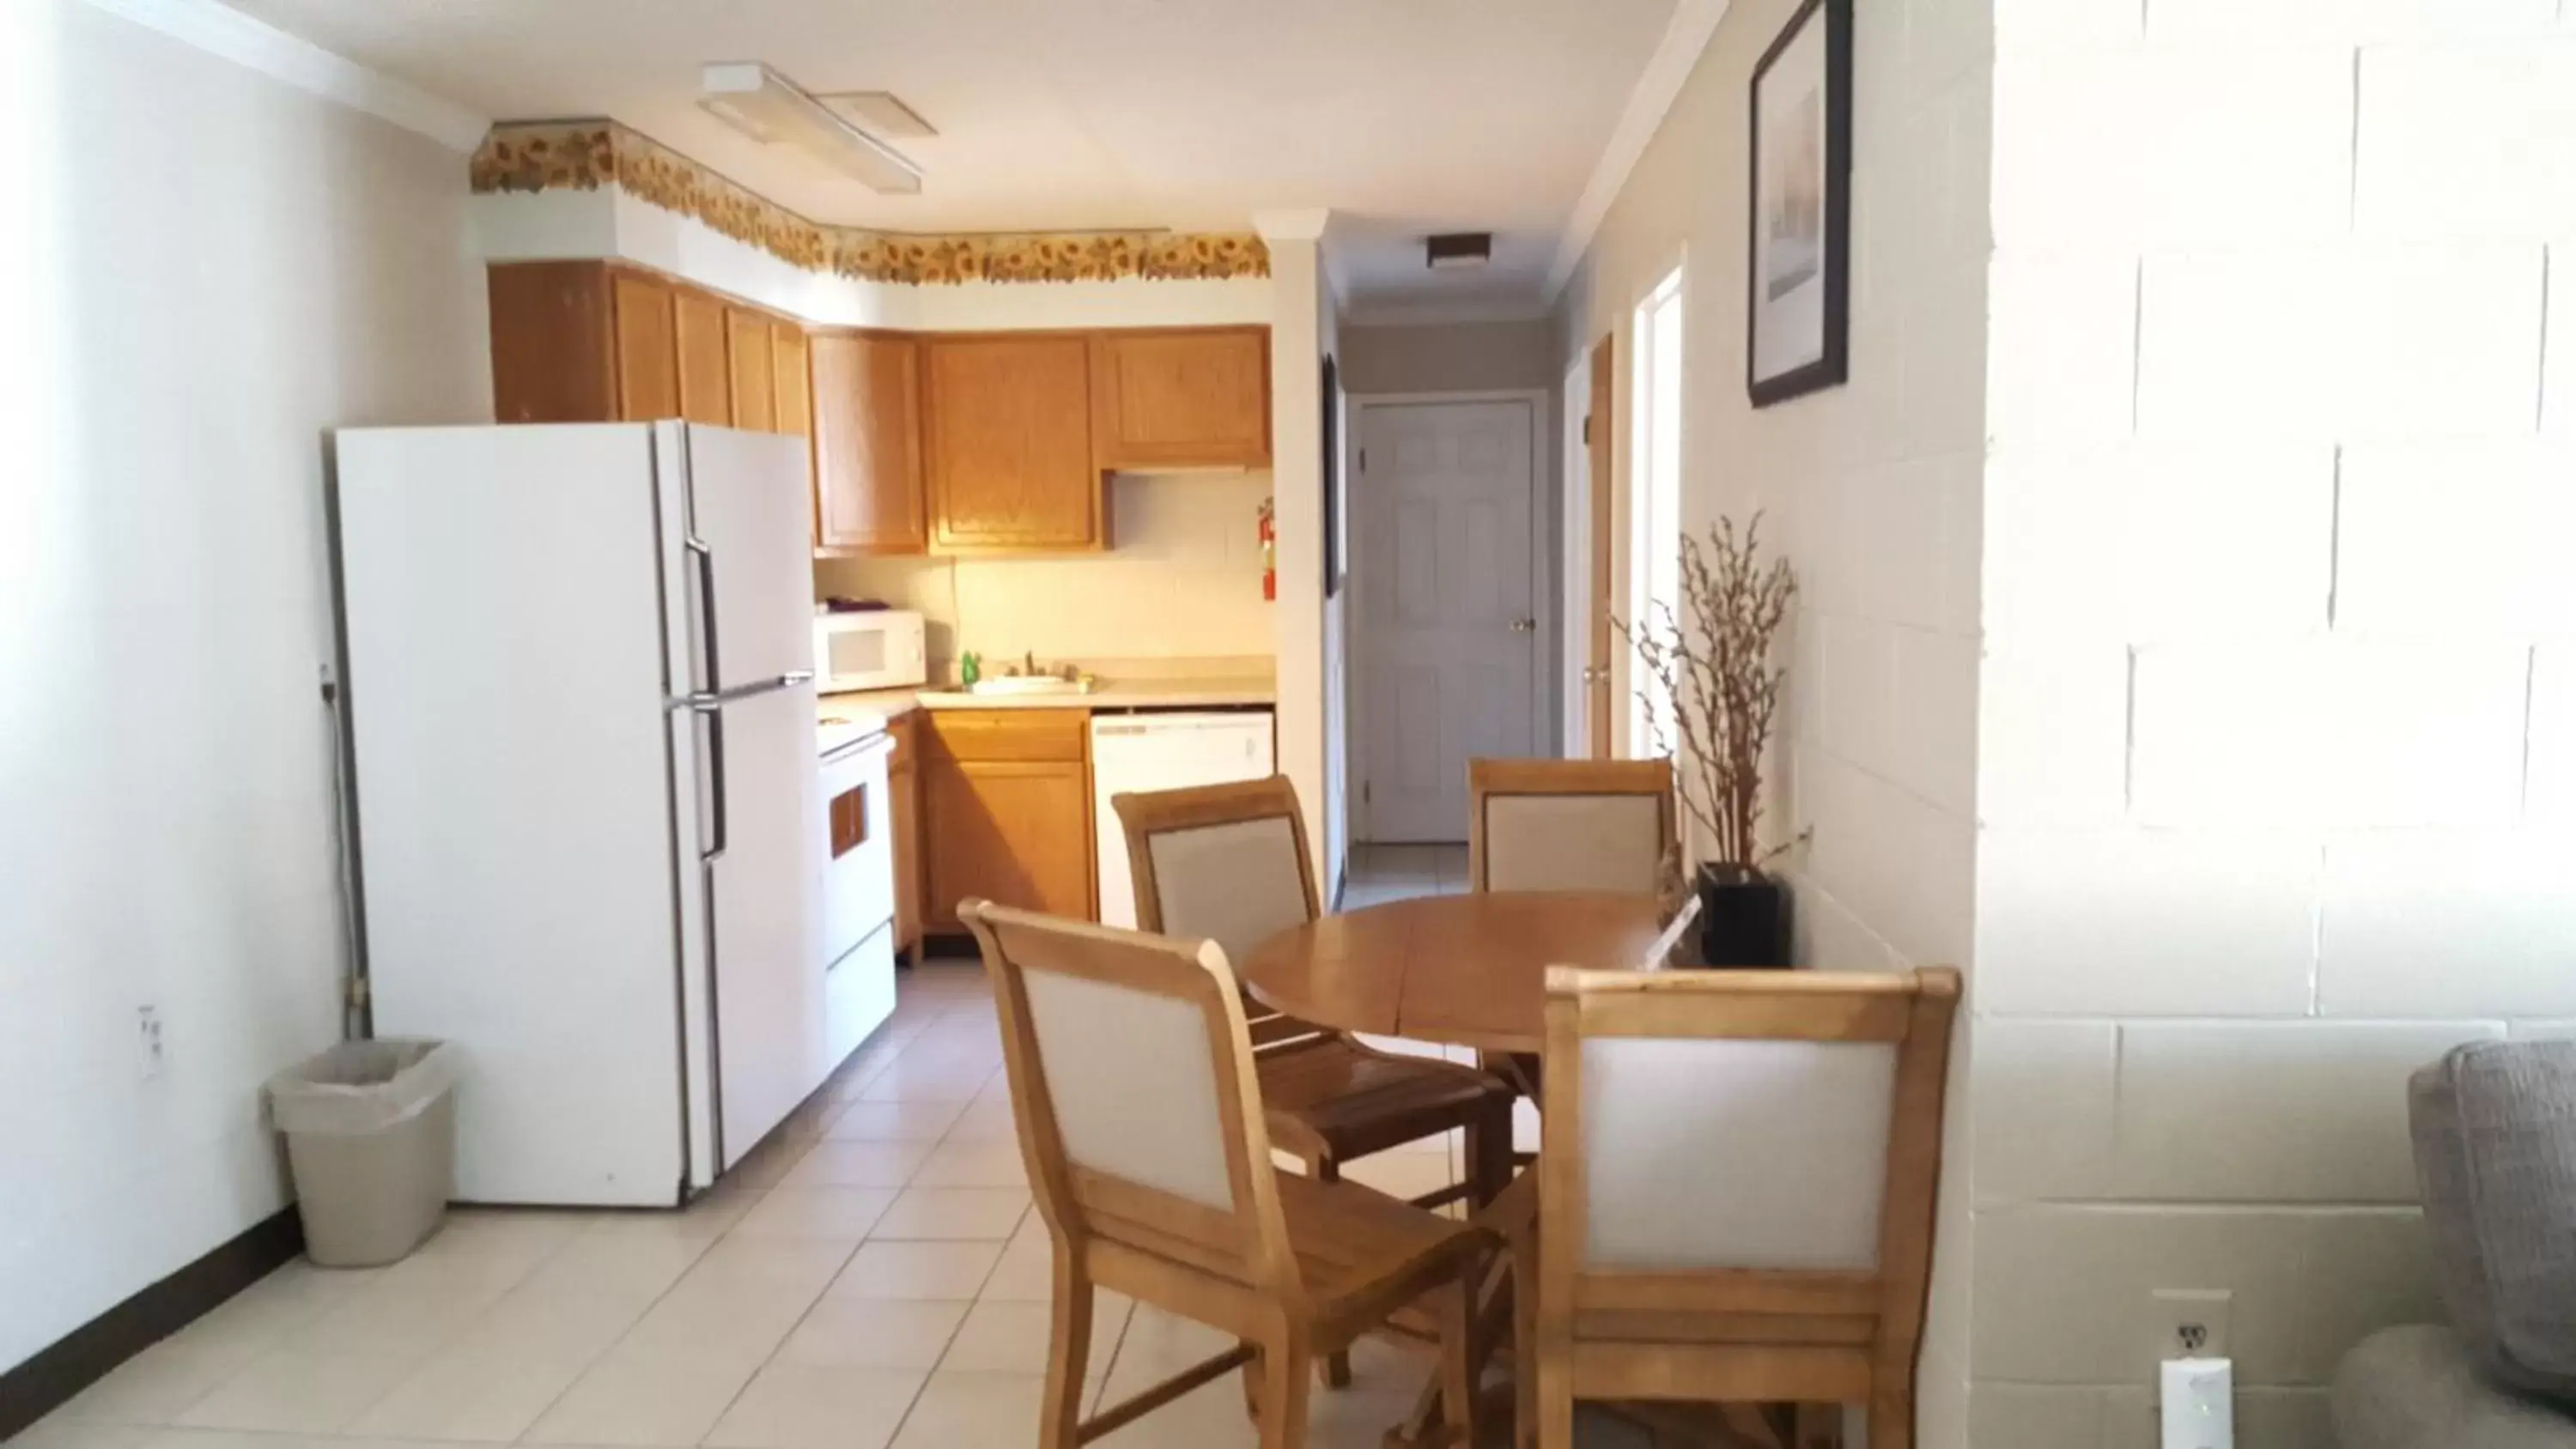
x=858, y=859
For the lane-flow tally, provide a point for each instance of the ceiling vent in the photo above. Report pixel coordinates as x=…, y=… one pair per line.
x=1458, y=249
x=771, y=109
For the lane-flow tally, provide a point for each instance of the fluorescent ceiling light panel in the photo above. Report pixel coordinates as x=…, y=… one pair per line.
x=881, y=114
x=770, y=109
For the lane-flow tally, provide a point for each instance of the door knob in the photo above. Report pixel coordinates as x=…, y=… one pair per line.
x=1524, y=625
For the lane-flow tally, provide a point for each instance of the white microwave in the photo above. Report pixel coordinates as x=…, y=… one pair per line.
x=879, y=649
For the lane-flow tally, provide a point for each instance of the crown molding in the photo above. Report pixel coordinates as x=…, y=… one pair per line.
x=1667, y=70
x=599, y=154
x=220, y=30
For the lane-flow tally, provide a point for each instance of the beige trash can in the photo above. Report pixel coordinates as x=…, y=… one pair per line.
x=371, y=1138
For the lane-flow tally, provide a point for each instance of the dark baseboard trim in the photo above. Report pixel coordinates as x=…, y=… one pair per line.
x=85, y=1355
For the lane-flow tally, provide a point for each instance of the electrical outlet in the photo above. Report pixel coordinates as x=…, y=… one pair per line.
x=2186, y=1323
x=148, y=1040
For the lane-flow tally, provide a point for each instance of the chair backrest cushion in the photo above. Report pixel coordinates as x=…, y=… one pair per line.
x=1573, y=842
x=1132, y=1083
x=1718, y=1153
x=1233, y=884
x=2495, y=1153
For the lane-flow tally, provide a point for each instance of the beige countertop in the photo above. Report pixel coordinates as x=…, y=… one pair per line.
x=1214, y=691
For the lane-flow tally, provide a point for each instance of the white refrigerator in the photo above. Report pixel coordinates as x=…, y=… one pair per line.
x=589, y=831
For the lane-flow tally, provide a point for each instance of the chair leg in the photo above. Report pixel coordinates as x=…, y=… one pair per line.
x=1068, y=1355
x=1524, y=1248
x=1488, y=1141
x=1556, y=1401
x=1456, y=1305
x=1287, y=1369
x=1252, y=1384
x=1337, y=1366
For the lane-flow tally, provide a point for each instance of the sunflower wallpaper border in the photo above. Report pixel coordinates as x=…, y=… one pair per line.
x=587, y=155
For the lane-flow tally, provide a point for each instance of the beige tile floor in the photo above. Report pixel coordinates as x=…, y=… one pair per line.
x=873, y=1276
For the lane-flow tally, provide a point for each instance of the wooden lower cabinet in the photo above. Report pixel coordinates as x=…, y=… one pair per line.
x=1001, y=825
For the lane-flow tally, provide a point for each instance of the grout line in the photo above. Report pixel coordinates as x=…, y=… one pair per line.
x=2137, y=340
x=2129, y=734
x=2540, y=405
x=2334, y=542
x=2530, y=711
x=2352, y=155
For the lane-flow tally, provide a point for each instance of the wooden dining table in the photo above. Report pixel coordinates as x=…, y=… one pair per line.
x=1466, y=970
x=1469, y=971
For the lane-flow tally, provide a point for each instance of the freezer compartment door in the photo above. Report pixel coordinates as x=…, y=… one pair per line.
x=515, y=833
x=760, y=908
x=744, y=553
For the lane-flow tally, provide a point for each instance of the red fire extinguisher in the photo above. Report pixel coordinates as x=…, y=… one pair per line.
x=1269, y=550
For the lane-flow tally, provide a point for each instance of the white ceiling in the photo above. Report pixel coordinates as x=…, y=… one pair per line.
x=1404, y=117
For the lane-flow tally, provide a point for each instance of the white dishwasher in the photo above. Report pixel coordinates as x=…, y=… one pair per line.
x=1136, y=753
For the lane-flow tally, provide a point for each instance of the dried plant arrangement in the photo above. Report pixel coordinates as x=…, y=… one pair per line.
x=1714, y=664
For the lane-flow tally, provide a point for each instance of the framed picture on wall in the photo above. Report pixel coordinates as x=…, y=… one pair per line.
x=1333, y=509
x=1799, y=284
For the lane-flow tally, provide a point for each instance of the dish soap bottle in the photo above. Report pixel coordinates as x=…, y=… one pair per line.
x=970, y=668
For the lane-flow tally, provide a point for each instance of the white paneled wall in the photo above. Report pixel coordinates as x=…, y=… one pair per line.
x=2277, y=762
x=1872, y=489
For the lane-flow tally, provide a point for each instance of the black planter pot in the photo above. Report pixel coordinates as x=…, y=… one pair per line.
x=1743, y=918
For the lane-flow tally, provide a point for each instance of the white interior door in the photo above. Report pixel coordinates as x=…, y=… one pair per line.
x=1447, y=633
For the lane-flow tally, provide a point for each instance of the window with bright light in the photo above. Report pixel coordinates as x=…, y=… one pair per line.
x=1655, y=497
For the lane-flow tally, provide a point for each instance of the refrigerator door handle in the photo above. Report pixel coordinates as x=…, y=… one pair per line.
x=709, y=698
x=705, y=560
x=712, y=707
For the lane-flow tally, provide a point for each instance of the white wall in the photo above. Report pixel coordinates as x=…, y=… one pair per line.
x=1872, y=489
x=1307, y=632
x=205, y=269
x=1182, y=582
x=2277, y=738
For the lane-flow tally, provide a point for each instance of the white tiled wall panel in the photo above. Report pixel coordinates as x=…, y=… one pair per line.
x=2341, y=22
x=2227, y=735
x=2335, y=343
x=2549, y=789
x=2444, y=539
x=2054, y=734
x=2044, y=1109
x=2277, y=720
x=2421, y=924
x=2180, y=145
x=2061, y=362
x=2062, y=1291
x=2234, y=1112
x=2145, y=923
x=2558, y=403
x=2467, y=141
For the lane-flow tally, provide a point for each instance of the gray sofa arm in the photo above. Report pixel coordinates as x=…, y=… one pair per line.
x=2417, y=1388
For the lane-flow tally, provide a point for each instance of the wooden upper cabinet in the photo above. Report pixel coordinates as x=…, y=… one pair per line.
x=648, y=357
x=787, y=369
x=1185, y=397
x=747, y=353
x=553, y=357
x=1006, y=427
x=706, y=371
x=867, y=444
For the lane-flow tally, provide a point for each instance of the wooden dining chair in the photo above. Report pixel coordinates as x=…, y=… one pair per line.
x=1131, y=1070
x=1569, y=825
x=1736, y=1191
x=1229, y=863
